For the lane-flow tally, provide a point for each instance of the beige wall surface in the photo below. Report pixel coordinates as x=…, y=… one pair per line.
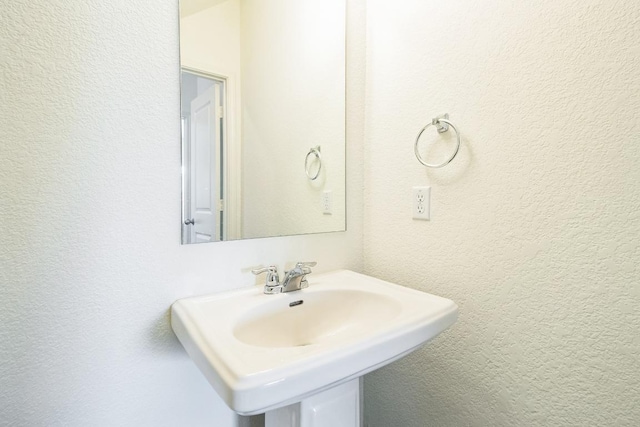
x=535, y=226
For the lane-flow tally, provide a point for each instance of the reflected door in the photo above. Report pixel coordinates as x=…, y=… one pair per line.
x=204, y=152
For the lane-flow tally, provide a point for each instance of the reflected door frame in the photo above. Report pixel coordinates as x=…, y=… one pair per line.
x=230, y=155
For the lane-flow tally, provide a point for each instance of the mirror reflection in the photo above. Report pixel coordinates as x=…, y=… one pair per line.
x=263, y=118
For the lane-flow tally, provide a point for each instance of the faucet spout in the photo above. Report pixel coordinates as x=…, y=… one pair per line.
x=294, y=279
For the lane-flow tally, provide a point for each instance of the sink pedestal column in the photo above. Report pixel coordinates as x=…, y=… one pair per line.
x=336, y=407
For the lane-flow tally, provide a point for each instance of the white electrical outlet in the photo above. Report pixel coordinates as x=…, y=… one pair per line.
x=421, y=203
x=326, y=202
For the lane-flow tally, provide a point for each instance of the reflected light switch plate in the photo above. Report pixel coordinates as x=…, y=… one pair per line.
x=327, y=202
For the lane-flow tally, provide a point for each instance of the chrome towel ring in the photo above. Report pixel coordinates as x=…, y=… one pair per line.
x=442, y=124
x=314, y=151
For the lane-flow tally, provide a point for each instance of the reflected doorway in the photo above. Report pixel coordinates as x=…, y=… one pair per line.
x=203, y=152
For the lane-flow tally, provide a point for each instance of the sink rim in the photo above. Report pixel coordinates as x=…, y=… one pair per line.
x=253, y=380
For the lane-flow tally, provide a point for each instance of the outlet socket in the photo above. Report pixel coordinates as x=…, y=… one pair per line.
x=421, y=200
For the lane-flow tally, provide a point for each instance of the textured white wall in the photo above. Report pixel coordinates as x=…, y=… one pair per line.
x=535, y=226
x=293, y=99
x=90, y=259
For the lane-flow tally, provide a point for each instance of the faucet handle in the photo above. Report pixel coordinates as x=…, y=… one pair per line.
x=272, y=274
x=271, y=268
x=300, y=269
x=306, y=264
x=272, y=286
x=303, y=268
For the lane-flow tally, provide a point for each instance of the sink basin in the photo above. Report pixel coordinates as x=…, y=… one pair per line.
x=319, y=318
x=262, y=352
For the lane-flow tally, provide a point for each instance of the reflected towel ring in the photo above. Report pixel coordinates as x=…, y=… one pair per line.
x=442, y=125
x=316, y=152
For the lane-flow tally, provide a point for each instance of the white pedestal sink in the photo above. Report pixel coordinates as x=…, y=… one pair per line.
x=286, y=354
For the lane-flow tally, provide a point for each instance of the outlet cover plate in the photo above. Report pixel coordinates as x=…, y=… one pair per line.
x=421, y=200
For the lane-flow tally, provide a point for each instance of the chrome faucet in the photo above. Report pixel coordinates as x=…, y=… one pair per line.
x=294, y=279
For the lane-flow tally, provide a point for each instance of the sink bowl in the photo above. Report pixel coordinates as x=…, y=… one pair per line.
x=261, y=352
x=316, y=318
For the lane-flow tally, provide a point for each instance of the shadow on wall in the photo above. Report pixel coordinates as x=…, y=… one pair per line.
x=161, y=338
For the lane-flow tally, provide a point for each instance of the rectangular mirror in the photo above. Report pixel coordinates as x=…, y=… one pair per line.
x=263, y=118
